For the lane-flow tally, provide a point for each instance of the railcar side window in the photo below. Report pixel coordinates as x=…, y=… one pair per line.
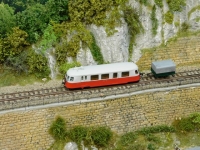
x=105, y=76
x=94, y=77
x=136, y=72
x=125, y=74
x=81, y=77
x=72, y=79
x=114, y=75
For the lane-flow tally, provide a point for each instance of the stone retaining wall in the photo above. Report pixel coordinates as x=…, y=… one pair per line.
x=185, y=52
x=29, y=129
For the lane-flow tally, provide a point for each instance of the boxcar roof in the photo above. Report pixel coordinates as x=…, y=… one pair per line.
x=163, y=66
x=102, y=69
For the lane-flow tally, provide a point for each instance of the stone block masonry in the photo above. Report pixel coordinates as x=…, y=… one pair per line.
x=29, y=129
x=184, y=52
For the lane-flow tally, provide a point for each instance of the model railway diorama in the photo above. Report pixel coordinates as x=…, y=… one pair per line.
x=112, y=74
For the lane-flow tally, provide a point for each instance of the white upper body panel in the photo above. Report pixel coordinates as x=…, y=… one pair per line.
x=102, y=69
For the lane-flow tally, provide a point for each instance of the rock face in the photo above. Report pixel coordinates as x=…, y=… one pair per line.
x=115, y=47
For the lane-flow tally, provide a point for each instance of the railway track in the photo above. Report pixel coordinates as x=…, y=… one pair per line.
x=147, y=80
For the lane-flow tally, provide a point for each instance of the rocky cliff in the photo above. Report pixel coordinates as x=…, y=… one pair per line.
x=115, y=48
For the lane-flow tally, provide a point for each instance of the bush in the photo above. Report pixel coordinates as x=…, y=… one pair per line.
x=159, y=3
x=38, y=64
x=156, y=129
x=66, y=66
x=78, y=134
x=18, y=63
x=101, y=136
x=152, y=138
x=191, y=123
x=154, y=21
x=128, y=138
x=136, y=147
x=58, y=129
x=96, y=52
x=151, y=147
x=169, y=17
x=176, y=5
x=185, y=27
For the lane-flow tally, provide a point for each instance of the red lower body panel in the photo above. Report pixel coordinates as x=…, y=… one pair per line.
x=106, y=82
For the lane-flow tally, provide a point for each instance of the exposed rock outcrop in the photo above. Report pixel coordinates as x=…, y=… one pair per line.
x=115, y=47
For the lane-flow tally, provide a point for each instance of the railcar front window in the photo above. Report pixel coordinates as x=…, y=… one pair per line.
x=67, y=78
x=72, y=79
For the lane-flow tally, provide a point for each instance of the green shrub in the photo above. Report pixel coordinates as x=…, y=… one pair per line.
x=58, y=129
x=159, y=3
x=136, y=147
x=195, y=118
x=134, y=26
x=152, y=138
x=177, y=24
x=169, y=17
x=154, y=21
x=185, y=124
x=38, y=64
x=176, y=5
x=78, y=36
x=78, y=134
x=128, y=138
x=14, y=44
x=184, y=27
x=143, y=2
x=18, y=63
x=48, y=39
x=156, y=129
x=101, y=136
x=190, y=123
x=66, y=66
x=96, y=52
x=151, y=146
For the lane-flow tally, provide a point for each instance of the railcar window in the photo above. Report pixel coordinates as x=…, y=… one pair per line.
x=72, y=79
x=105, y=76
x=136, y=72
x=81, y=77
x=94, y=77
x=85, y=77
x=114, y=75
x=125, y=74
x=67, y=78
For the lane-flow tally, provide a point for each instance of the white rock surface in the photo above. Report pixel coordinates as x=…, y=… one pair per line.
x=71, y=146
x=115, y=47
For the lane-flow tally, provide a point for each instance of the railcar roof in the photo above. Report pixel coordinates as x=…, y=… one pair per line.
x=163, y=63
x=163, y=66
x=102, y=69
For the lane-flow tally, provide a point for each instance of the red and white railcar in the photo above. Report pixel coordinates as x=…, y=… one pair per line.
x=101, y=75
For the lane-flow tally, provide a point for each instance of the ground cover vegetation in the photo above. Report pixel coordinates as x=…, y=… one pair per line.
x=35, y=26
x=150, y=138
